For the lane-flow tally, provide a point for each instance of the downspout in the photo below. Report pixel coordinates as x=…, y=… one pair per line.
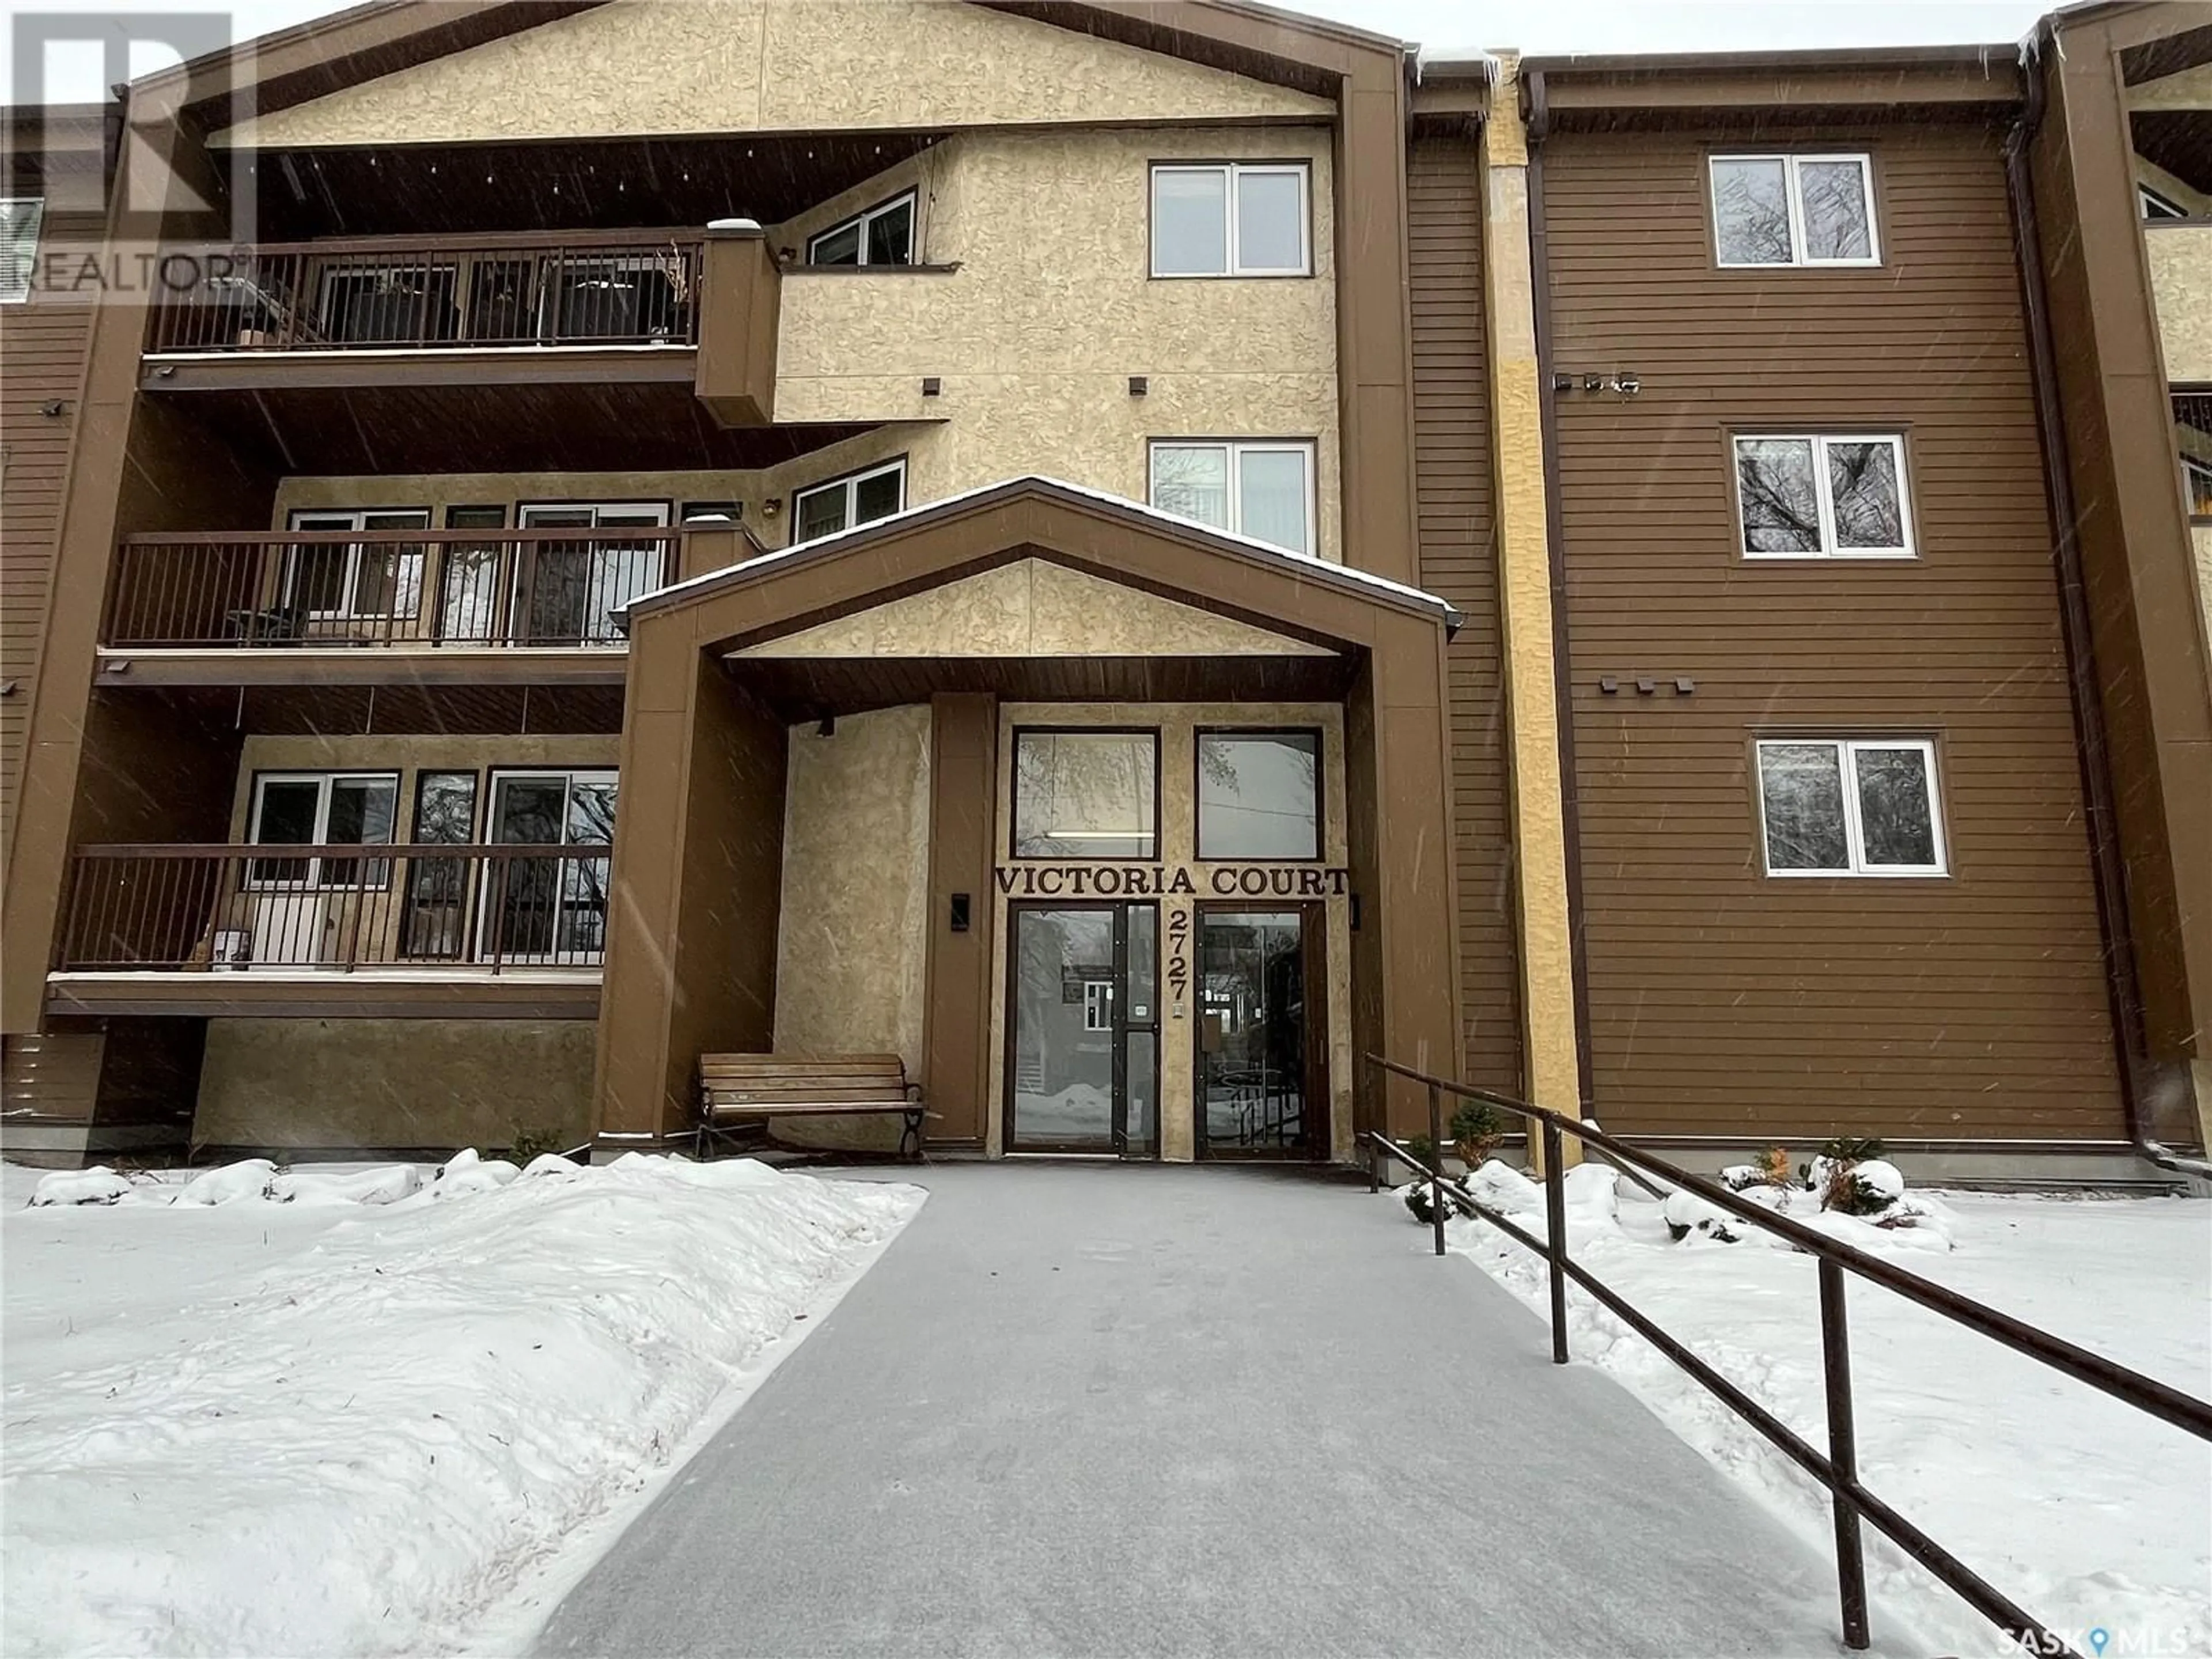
x=2121, y=988
x=1536, y=122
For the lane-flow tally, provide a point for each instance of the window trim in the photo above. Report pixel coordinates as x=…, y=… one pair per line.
x=2147, y=197
x=1308, y=448
x=1234, y=267
x=1014, y=794
x=313, y=881
x=1847, y=749
x=2191, y=469
x=489, y=942
x=910, y=196
x=9, y=296
x=1197, y=736
x=850, y=483
x=1824, y=496
x=1792, y=160
x=360, y=526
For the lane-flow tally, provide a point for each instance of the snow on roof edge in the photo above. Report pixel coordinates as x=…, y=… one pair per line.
x=1322, y=567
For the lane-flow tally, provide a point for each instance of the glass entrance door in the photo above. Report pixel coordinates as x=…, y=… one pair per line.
x=1259, y=1077
x=1083, y=1029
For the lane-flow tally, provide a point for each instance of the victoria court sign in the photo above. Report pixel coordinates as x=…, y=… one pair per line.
x=1280, y=881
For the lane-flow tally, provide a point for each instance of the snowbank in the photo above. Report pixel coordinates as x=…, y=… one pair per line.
x=316, y=1412
x=2090, y=1515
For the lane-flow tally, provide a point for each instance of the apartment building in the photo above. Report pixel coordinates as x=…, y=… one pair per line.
x=1128, y=555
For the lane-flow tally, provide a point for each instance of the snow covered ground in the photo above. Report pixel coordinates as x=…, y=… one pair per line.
x=328, y=1426
x=2092, y=1516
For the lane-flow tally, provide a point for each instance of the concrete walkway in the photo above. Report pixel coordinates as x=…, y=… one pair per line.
x=1095, y=1409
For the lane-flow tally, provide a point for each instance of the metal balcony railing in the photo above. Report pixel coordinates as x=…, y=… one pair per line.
x=239, y=909
x=436, y=293
x=459, y=588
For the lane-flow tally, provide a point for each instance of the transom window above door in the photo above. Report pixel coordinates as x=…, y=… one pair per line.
x=845, y=503
x=1815, y=496
x=348, y=582
x=1086, y=795
x=1263, y=488
x=1794, y=211
x=1230, y=219
x=883, y=235
x=1259, y=794
x=1850, y=806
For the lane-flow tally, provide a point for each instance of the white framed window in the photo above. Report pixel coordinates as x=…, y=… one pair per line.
x=357, y=582
x=1850, y=806
x=1814, y=495
x=321, y=809
x=1260, y=488
x=2152, y=205
x=1230, y=219
x=551, y=910
x=571, y=592
x=20, y=219
x=1794, y=211
x=856, y=499
x=883, y=235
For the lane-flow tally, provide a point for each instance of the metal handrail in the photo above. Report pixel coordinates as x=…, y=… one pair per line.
x=1838, y=1468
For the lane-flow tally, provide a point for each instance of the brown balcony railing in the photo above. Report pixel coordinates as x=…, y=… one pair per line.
x=380, y=294
x=382, y=587
x=236, y=910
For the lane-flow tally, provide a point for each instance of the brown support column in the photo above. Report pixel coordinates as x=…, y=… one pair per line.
x=964, y=775
x=698, y=883
x=1405, y=1003
x=2150, y=650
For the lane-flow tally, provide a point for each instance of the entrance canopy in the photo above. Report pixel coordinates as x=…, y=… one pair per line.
x=1030, y=591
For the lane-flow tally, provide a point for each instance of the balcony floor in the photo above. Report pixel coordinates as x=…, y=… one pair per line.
x=424, y=991
x=366, y=664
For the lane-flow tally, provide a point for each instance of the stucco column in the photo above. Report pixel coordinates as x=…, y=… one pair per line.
x=1524, y=590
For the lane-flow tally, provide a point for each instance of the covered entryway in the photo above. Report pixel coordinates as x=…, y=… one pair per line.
x=1075, y=806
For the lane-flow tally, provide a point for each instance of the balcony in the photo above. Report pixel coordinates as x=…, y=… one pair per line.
x=389, y=296
x=581, y=351
x=2180, y=253
x=358, y=607
x=343, y=930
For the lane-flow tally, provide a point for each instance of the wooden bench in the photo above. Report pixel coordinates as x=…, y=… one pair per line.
x=750, y=1090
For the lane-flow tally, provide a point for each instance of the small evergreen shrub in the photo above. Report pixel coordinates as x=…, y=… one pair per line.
x=530, y=1143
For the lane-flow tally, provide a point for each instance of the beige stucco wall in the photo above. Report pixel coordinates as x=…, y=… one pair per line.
x=1052, y=308
x=713, y=66
x=397, y=1083
x=2181, y=279
x=1034, y=607
x=852, y=945
x=1177, y=724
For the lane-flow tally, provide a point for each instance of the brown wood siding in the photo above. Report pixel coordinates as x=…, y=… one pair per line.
x=1722, y=1001
x=1452, y=477
x=42, y=351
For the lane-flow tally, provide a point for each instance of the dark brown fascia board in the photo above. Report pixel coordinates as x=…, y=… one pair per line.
x=1261, y=43
x=56, y=129
x=1856, y=80
x=2155, y=38
x=1376, y=590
